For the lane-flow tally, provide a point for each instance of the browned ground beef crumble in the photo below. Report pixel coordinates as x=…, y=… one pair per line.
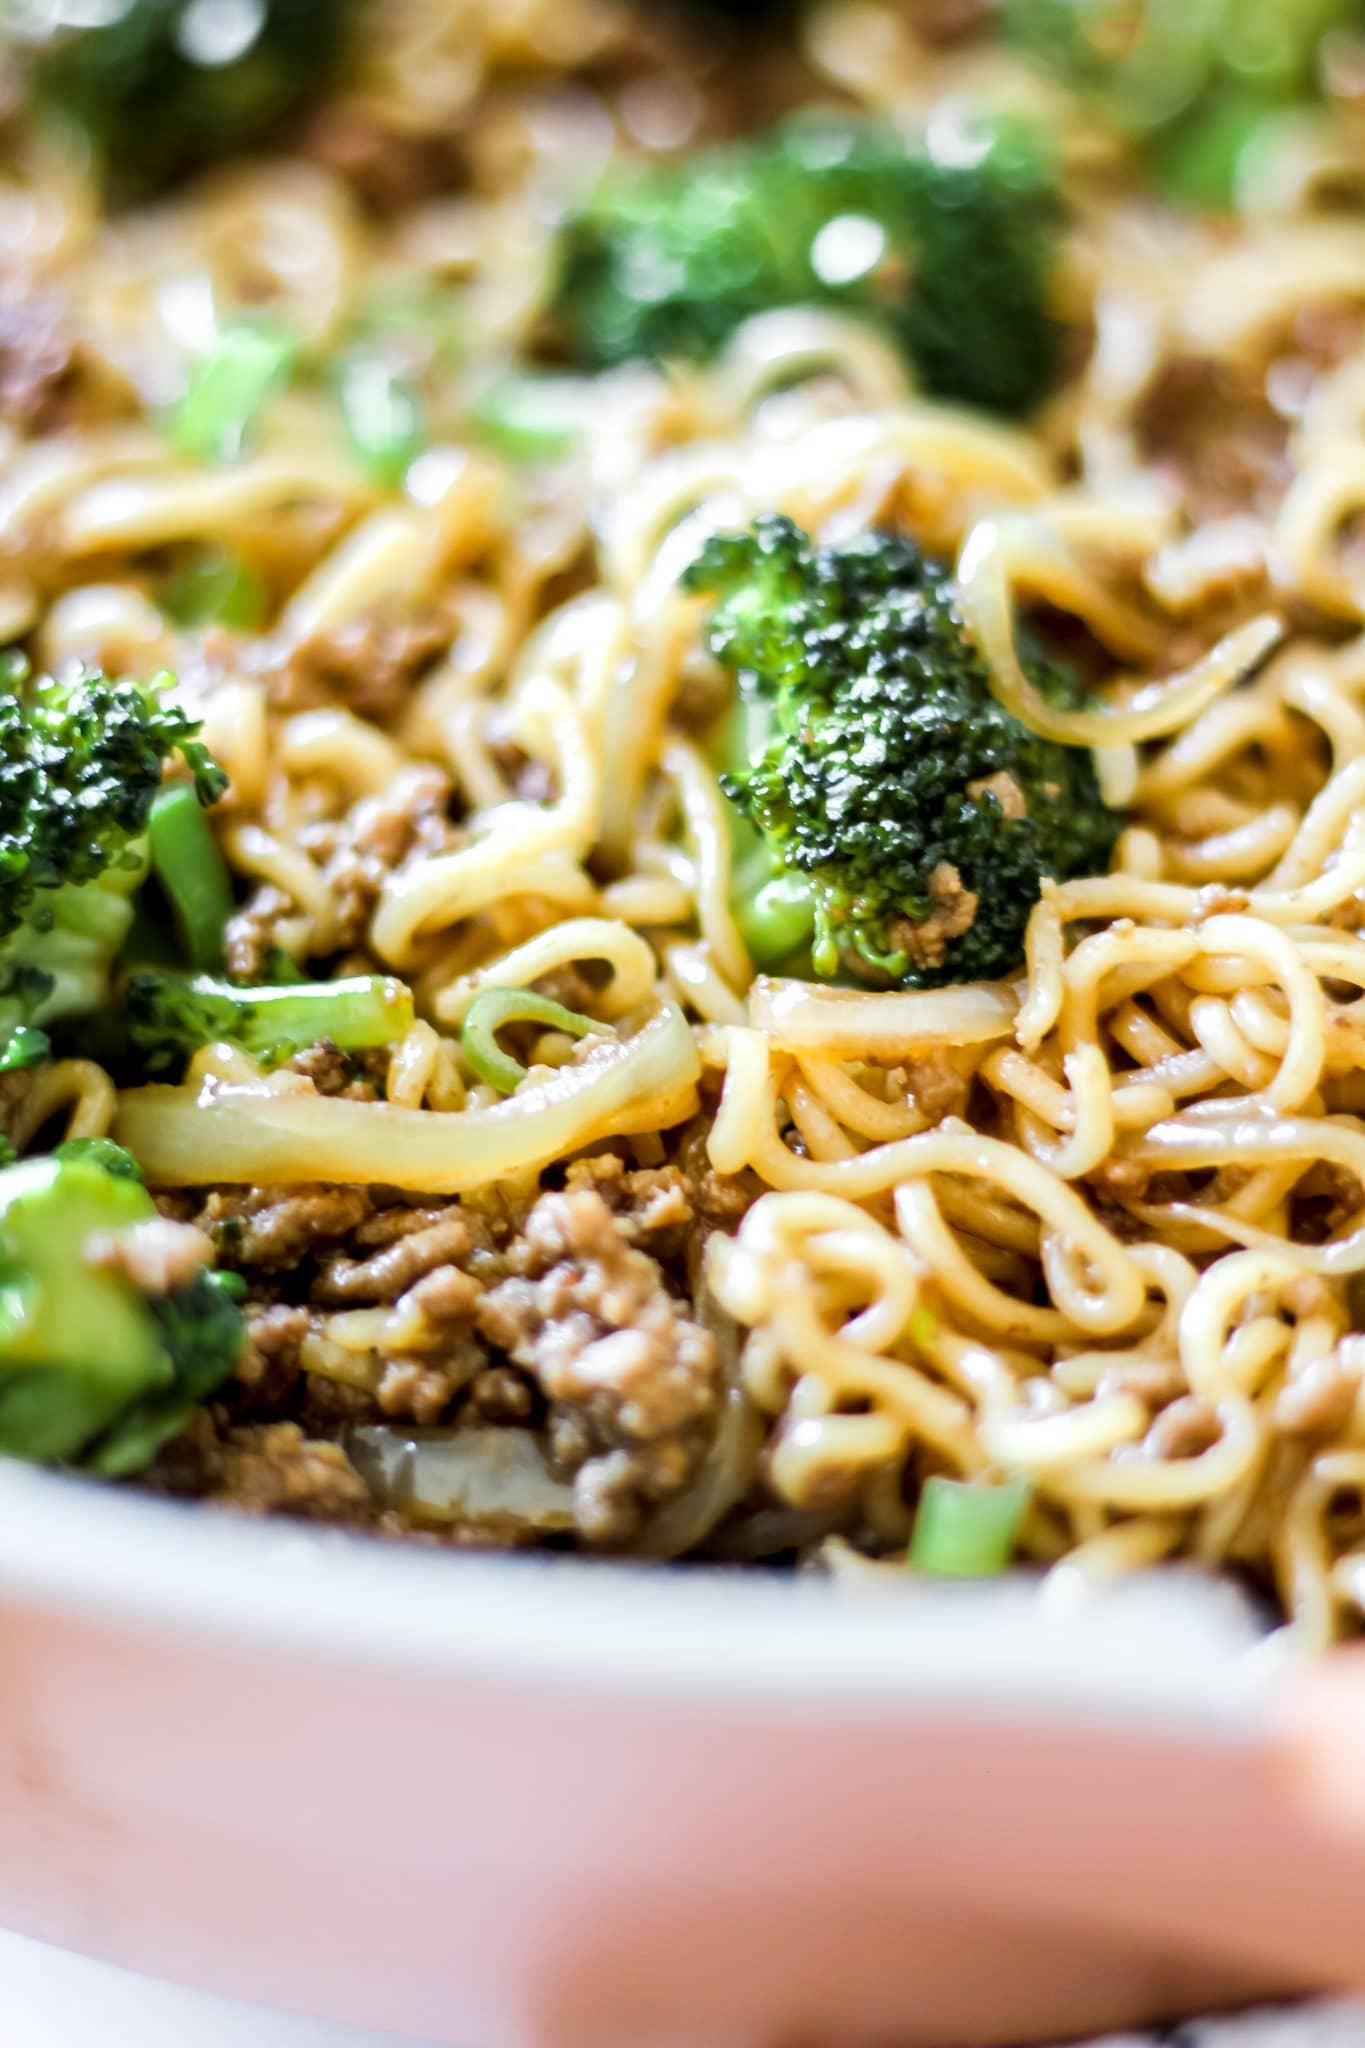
x=357, y=853
x=37, y=356
x=567, y=1315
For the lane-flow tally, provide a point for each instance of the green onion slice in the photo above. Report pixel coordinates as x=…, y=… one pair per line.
x=191, y=870
x=247, y=366
x=486, y=1017
x=383, y=414
x=967, y=1529
x=215, y=588
x=529, y=418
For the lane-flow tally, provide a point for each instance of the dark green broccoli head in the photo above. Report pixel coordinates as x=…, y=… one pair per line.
x=162, y=86
x=880, y=769
x=95, y=1367
x=953, y=258
x=80, y=764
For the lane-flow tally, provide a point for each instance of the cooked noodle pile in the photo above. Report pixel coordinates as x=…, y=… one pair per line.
x=1098, y=1226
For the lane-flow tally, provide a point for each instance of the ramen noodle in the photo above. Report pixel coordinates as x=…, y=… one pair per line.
x=745, y=1259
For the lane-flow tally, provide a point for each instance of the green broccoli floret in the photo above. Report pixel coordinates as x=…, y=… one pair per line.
x=93, y=1368
x=905, y=819
x=1195, y=83
x=169, y=1016
x=80, y=764
x=163, y=86
x=953, y=257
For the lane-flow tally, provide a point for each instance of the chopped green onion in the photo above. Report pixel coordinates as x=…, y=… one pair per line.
x=215, y=588
x=967, y=1529
x=529, y=418
x=383, y=415
x=247, y=366
x=191, y=870
x=486, y=1017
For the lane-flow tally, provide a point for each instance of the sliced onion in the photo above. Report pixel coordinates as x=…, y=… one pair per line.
x=489, y=1478
x=226, y=1131
x=800, y=1016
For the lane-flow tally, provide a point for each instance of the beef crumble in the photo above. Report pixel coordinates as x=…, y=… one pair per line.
x=567, y=1315
x=367, y=665
x=38, y=356
x=357, y=853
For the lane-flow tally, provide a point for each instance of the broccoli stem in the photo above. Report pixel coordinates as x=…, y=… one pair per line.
x=191, y=870
x=92, y=1366
x=363, y=1011
x=169, y=1016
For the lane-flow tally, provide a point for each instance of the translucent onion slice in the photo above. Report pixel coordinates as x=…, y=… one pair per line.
x=225, y=1131
x=801, y=1016
x=491, y=1478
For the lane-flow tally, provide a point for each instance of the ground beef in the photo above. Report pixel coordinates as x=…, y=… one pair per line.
x=251, y=933
x=378, y=834
x=14, y=1093
x=387, y=170
x=276, y=1469
x=158, y=1256
x=367, y=665
x=421, y=1243
x=1006, y=792
x=275, y=1333
x=357, y=853
x=953, y=912
x=37, y=357
x=938, y=1085
x=271, y=1229
x=262, y=1468
x=566, y=1316
x=325, y=1065
x=630, y=1379
x=1212, y=429
x=652, y=1206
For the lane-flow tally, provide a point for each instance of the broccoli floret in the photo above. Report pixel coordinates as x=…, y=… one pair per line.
x=80, y=764
x=163, y=86
x=953, y=258
x=879, y=771
x=93, y=1369
x=169, y=1016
